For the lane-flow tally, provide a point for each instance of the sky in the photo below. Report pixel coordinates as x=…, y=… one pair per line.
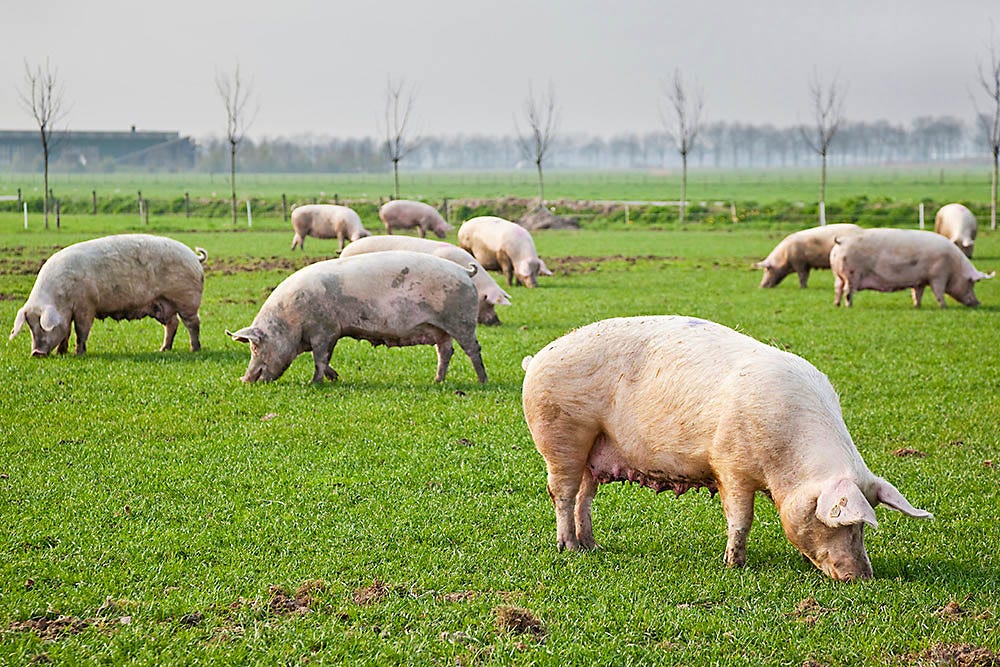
x=322, y=68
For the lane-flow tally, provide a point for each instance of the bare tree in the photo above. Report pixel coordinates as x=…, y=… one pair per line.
x=540, y=114
x=398, y=143
x=235, y=93
x=828, y=112
x=42, y=96
x=683, y=124
x=989, y=80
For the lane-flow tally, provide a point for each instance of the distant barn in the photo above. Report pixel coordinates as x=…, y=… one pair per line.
x=97, y=151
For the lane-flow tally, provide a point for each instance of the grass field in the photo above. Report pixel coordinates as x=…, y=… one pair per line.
x=154, y=510
x=913, y=183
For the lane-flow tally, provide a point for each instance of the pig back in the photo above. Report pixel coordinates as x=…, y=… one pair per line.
x=122, y=273
x=379, y=296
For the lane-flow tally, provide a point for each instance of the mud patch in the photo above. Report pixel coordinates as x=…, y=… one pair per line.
x=580, y=264
x=232, y=265
x=519, y=621
x=543, y=218
x=808, y=611
x=376, y=592
x=282, y=603
x=960, y=655
x=905, y=451
x=7, y=296
x=52, y=627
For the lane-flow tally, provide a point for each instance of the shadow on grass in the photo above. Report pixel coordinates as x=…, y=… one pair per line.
x=171, y=357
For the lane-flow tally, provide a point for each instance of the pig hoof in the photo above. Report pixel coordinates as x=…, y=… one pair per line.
x=736, y=560
x=568, y=545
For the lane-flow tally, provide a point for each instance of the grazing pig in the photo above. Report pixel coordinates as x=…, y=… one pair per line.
x=388, y=298
x=678, y=403
x=802, y=251
x=326, y=221
x=406, y=214
x=490, y=294
x=957, y=223
x=504, y=245
x=889, y=260
x=124, y=277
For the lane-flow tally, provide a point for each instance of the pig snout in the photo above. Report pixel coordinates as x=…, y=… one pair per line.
x=487, y=313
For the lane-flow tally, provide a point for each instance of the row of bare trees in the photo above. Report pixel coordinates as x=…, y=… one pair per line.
x=683, y=122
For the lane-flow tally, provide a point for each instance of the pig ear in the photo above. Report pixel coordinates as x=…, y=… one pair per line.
x=889, y=496
x=50, y=318
x=504, y=299
x=246, y=335
x=544, y=270
x=18, y=323
x=841, y=503
x=763, y=264
x=985, y=276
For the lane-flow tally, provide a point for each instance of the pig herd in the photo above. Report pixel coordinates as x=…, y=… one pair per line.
x=669, y=402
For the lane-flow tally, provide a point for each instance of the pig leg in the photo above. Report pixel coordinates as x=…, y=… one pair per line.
x=507, y=267
x=297, y=241
x=838, y=290
x=938, y=287
x=918, y=294
x=584, y=501
x=82, y=322
x=166, y=314
x=340, y=240
x=388, y=229
x=193, y=324
x=63, y=345
x=803, y=272
x=421, y=231
x=470, y=345
x=737, y=504
x=322, y=351
x=445, y=349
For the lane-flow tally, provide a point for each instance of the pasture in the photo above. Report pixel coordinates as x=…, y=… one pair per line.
x=153, y=509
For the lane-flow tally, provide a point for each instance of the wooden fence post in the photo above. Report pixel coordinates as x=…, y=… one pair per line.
x=447, y=216
x=58, y=225
x=284, y=207
x=336, y=199
x=93, y=193
x=187, y=204
x=20, y=200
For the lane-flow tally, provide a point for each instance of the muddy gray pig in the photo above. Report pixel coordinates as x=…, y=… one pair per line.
x=802, y=251
x=889, y=260
x=490, y=294
x=326, y=221
x=406, y=214
x=124, y=277
x=388, y=298
x=677, y=403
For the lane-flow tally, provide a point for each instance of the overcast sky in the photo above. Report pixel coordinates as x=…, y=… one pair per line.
x=320, y=68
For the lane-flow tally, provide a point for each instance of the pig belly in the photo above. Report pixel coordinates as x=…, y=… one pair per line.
x=608, y=463
x=425, y=334
x=882, y=284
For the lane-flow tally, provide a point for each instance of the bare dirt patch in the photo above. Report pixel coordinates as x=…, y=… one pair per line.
x=808, y=611
x=960, y=655
x=282, y=603
x=906, y=451
x=376, y=592
x=952, y=611
x=577, y=264
x=519, y=621
x=232, y=265
x=51, y=627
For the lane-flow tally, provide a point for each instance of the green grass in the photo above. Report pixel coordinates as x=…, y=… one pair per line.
x=907, y=183
x=158, y=488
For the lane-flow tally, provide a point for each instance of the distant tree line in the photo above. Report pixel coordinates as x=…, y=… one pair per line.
x=721, y=145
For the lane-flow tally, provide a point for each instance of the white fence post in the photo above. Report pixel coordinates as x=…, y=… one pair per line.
x=140, y=209
x=822, y=213
x=921, y=215
x=628, y=220
x=25, y=215
x=249, y=215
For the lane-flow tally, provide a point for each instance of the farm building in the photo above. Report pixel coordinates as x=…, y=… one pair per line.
x=87, y=150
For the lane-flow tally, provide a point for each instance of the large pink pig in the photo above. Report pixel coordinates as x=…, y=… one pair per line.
x=326, y=221
x=802, y=251
x=124, y=277
x=388, y=298
x=889, y=260
x=490, y=294
x=678, y=403
x=957, y=223
x=407, y=214
x=504, y=245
